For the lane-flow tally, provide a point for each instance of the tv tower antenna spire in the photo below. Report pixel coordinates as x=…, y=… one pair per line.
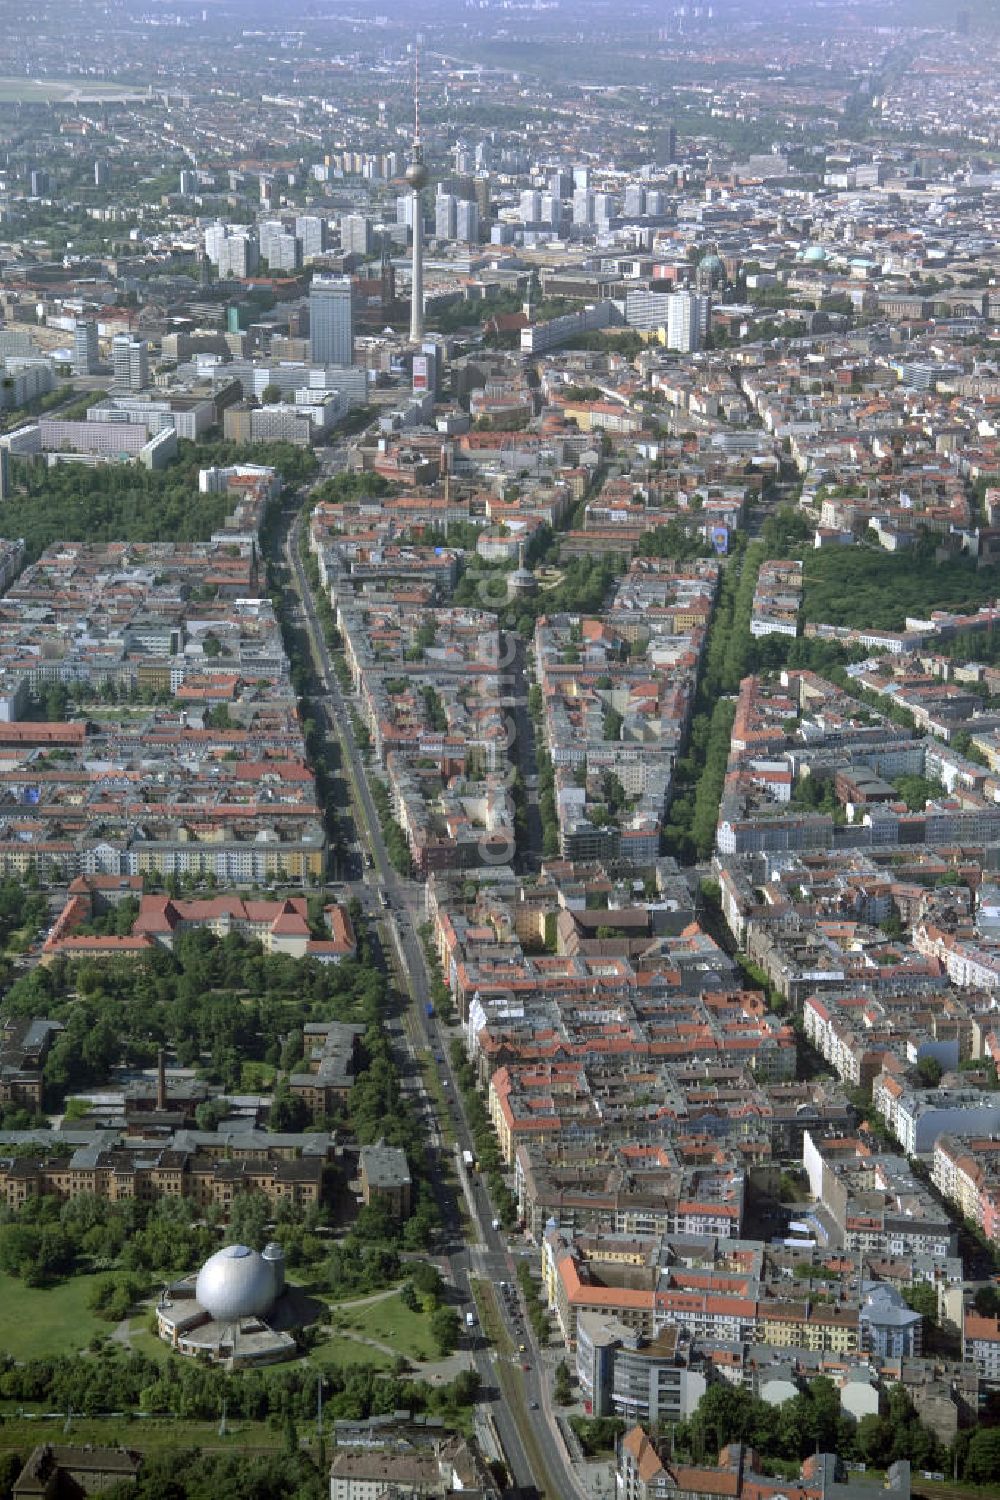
x=416, y=176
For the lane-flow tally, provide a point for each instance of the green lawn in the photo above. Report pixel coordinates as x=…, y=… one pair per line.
x=146, y=1343
x=389, y=1322
x=256, y=1077
x=39, y=1321
x=344, y=1353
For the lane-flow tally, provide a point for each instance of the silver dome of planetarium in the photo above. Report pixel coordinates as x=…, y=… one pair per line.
x=237, y=1282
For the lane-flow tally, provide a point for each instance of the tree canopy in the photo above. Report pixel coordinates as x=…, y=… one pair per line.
x=870, y=589
x=127, y=502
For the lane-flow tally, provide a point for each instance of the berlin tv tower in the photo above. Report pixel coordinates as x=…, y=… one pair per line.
x=416, y=176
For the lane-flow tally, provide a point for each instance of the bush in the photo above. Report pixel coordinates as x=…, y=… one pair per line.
x=537, y=1315
x=445, y=1329
x=597, y=1434
x=113, y=1298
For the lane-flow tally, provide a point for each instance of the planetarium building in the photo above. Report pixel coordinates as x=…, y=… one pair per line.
x=236, y=1310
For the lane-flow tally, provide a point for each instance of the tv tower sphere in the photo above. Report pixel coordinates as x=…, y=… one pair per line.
x=416, y=175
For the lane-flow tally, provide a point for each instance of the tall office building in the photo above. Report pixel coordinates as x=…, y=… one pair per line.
x=286, y=254
x=102, y=174
x=687, y=320
x=428, y=367
x=129, y=362
x=605, y=207
x=215, y=238
x=481, y=188
x=551, y=210
x=188, y=183
x=465, y=157
x=404, y=210
x=5, y=474
x=239, y=256
x=635, y=201
x=278, y=246
x=356, y=234
x=445, y=206
x=267, y=230
x=647, y=309
x=583, y=206
x=310, y=231
x=467, y=223
x=39, y=183
x=85, y=347
x=331, y=321
x=530, y=209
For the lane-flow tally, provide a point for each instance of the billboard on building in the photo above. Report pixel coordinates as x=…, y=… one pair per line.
x=719, y=537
